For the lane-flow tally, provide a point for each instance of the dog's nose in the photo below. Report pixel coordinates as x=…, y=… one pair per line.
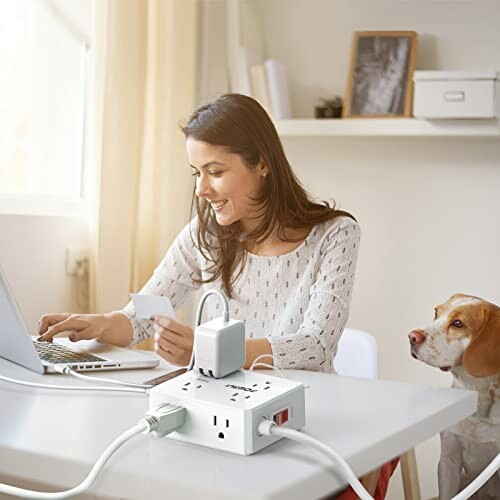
x=416, y=337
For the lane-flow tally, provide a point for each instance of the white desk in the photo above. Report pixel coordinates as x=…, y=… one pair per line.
x=366, y=421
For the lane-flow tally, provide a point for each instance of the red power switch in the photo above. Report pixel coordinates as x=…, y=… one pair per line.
x=281, y=417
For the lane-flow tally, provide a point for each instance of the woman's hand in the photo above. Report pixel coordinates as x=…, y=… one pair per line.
x=112, y=328
x=173, y=340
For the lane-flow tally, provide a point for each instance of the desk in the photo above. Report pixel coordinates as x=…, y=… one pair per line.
x=366, y=421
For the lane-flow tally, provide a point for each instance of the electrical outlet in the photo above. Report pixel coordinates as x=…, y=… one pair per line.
x=74, y=259
x=225, y=413
x=221, y=426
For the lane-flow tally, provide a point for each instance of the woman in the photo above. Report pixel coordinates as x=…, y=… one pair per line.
x=286, y=263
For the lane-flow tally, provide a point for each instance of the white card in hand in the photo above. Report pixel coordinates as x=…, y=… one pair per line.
x=152, y=305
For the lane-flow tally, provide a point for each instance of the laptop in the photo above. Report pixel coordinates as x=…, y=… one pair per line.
x=18, y=346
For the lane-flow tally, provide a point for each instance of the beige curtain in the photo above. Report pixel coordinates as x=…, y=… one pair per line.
x=144, y=84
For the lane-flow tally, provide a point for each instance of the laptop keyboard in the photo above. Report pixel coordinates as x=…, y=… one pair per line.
x=57, y=353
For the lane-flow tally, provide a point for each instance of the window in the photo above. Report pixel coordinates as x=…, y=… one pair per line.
x=42, y=104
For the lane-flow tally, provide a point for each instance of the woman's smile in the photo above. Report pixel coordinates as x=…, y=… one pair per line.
x=218, y=205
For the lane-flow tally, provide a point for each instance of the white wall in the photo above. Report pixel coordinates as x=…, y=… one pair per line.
x=32, y=254
x=428, y=208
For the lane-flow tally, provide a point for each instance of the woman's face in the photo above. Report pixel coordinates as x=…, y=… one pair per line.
x=224, y=181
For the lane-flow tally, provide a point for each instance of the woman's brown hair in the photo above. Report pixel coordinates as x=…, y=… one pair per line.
x=240, y=125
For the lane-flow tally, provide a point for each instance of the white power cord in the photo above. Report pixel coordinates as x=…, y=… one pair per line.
x=67, y=370
x=265, y=365
x=162, y=421
x=479, y=481
x=260, y=356
x=87, y=482
x=256, y=363
x=71, y=387
x=269, y=428
x=257, y=360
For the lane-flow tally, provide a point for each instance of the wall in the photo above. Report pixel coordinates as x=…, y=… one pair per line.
x=428, y=208
x=32, y=254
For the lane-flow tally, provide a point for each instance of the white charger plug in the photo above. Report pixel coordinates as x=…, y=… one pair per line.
x=219, y=344
x=219, y=347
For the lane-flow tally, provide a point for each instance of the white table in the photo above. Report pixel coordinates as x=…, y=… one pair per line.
x=53, y=438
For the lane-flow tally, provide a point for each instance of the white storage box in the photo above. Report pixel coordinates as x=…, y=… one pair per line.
x=456, y=94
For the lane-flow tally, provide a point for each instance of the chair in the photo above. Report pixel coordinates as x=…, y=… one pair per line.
x=357, y=356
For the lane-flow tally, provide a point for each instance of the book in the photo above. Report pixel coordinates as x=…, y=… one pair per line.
x=277, y=83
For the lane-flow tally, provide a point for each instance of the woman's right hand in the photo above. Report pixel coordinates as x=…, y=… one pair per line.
x=81, y=326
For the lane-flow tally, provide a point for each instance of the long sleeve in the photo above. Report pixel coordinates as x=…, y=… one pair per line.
x=314, y=344
x=173, y=278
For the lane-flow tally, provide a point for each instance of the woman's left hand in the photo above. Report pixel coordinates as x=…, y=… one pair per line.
x=173, y=340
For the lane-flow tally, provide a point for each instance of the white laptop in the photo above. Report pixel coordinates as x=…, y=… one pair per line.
x=18, y=346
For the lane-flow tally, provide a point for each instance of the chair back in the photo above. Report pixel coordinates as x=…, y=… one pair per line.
x=357, y=354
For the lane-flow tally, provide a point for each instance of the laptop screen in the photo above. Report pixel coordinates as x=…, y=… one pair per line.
x=15, y=341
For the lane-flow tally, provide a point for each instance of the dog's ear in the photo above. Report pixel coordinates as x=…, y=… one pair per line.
x=482, y=356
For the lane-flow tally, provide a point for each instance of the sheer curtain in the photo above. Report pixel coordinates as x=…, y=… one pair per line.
x=144, y=84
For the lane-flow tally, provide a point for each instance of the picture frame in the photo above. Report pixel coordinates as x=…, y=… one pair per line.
x=380, y=82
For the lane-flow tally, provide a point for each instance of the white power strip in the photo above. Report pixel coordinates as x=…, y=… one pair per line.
x=225, y=413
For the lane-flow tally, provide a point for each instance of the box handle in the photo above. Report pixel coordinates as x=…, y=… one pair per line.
x=454, y=95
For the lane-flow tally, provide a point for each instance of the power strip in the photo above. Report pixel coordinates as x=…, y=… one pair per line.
x=224, y=413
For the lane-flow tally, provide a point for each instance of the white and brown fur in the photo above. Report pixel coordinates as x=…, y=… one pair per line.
x=465, y=339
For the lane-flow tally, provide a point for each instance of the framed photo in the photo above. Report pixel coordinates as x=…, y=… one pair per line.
x=380, y=77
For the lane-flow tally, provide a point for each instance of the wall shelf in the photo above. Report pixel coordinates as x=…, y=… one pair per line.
x=387, y=127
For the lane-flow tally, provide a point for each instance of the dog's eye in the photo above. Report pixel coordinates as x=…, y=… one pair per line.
x=435, y=313
x=458, y=324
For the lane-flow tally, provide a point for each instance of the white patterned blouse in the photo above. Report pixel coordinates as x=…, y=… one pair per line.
x=299, y=301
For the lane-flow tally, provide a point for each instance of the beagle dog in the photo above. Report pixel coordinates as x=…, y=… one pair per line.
x=464, y=338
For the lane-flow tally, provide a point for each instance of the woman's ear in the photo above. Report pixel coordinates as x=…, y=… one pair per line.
x=482, y=356
x=263, y=168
